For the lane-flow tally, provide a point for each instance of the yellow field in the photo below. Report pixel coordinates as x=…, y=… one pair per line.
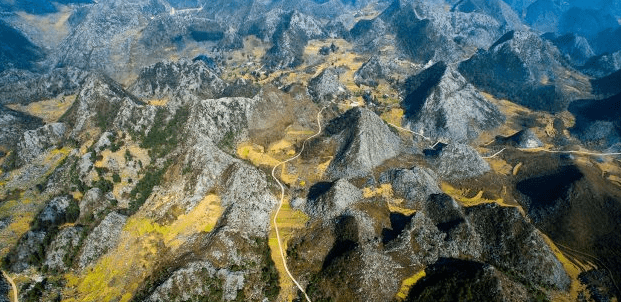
x=48, y=110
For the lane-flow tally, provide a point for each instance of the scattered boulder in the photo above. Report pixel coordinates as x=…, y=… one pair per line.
x=365, y=141
x=456, y=161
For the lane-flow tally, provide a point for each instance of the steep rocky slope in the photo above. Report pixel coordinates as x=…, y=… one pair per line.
x=168, y=150
x=524, y=68
x=439, y=102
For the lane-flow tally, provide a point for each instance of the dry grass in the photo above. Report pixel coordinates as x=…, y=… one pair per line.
x=573, y=268
x=461, y=195
x=407, y=284
x=393, y=116
x=48, y=110
x=385, y=192
x=289, y=222
x=119, y=273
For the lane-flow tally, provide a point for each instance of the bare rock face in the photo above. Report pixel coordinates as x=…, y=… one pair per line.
x=381, y=67
x=575, y=48
x=518, y=248
x=19, y=86
x=456, y=161
x=365, y=141
x=63, y=249
x=103, y=237
x=415, y=184
x=100, y=103
x=524, y=68
x=92, y=204
x=326, y=86
x=525, y=139
x=339, y=197
x=461, y=241
x=35, y=142
x=213, y=284
x=441, y=104
x=248, y=202
x=5, y=289
x=419, y=244
x=28, y=249
x=13, y=124
x=168, y=79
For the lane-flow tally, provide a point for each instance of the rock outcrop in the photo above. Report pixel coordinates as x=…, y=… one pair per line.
x=326, y=87
x=63, y=249
x=364, y=142
x=524, y=68
x=36, y=142
x=442, y=105
x=456, y=161
x=166, y=80
x=524, y=139
x=523, y=252
x=415, y=184
x=339, y=197
x=103, y=237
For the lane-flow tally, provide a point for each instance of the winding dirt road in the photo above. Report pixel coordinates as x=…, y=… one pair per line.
x=14, y=288
x=282, y=198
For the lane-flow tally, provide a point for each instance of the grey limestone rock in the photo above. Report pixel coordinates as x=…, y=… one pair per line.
x=92, y=203
x=55, y=212
x=326, y=86
x=461, y=239
x=247, y=199
x=35, y=142
x=199, y=279
x=365, y=142
x=419, y=244
x=512, y=243
x=442, y=105
x=525, y=139
x=456, y=161
x=103, y=237
x=168, y=79
x=28, y=248
x=332, y=203
x=13, y=124
x=524, y=68
x=20, y=86
x=62, y=248
x=415, y=184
